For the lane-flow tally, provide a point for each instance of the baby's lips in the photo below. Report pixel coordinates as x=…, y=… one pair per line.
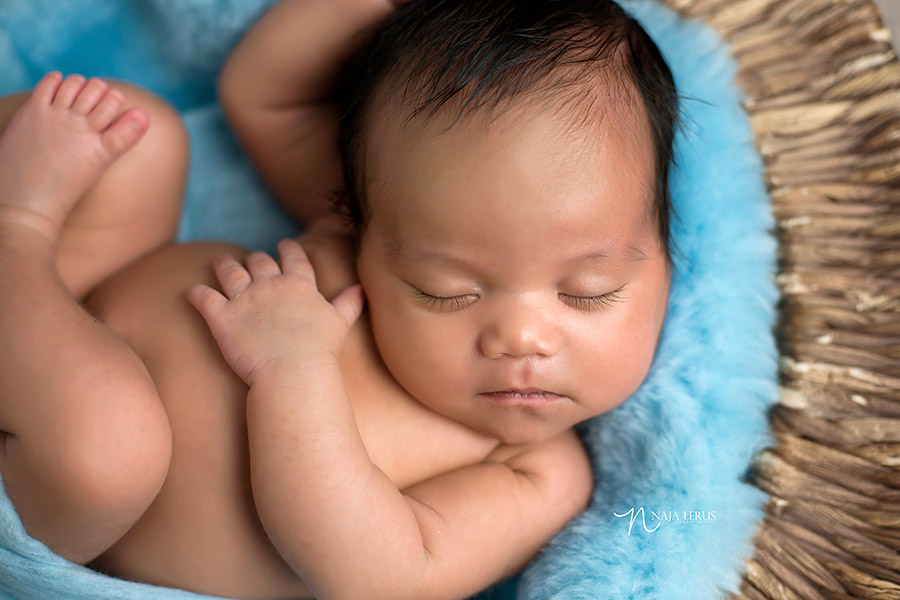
x=523, y=397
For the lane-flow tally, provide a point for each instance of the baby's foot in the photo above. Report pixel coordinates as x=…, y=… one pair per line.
x=58, y=144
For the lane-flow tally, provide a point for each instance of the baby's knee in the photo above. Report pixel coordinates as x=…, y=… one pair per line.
x=81, y=483
x=167, y=138
x=120, y=461
x=102, y=464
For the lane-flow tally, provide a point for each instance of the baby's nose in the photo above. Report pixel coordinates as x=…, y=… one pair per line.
x=520, y=333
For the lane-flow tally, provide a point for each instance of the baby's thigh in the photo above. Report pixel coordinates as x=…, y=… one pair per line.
x=204, y=514
x=145, y=305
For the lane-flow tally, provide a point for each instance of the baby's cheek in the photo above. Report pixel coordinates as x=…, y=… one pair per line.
x=643, y=345
x=628, y=352
x=643, y=318
x=419, y=356
x=440, y=354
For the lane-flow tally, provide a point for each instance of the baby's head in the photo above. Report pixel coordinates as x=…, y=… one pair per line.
x=507, y=166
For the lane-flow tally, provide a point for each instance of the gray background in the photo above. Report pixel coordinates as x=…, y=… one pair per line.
x=890, y=12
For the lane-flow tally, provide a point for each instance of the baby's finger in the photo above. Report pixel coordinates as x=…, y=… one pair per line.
x=349, y=303
x=232, y=275
x=294, y=259
x=206, y=300
x=261, y=265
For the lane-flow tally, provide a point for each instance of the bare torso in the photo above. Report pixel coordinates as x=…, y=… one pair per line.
x=202, y=532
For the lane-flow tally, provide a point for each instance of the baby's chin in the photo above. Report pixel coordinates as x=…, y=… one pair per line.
x=517, y=435
x=522, y=425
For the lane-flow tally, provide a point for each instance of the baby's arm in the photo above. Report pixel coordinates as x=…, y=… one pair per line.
x=275, y=91
x=335, y=517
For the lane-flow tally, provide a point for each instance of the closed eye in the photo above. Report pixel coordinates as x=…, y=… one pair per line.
x=592, y=303
x=445, y=303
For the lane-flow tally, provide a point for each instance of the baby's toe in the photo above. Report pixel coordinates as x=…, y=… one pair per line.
x=46, y=89
x=106, y=109
x=90, y=95
x=125, y=131
x=68, y=91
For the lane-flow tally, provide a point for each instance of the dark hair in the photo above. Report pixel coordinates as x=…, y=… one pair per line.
x=474, y=54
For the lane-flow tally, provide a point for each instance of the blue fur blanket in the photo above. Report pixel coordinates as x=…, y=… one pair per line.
x=670, y=460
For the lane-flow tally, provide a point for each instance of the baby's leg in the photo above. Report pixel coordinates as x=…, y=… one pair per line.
x=85, y=442
x=134, y=205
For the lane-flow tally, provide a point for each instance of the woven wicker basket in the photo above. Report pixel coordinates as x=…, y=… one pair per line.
x=823, y=88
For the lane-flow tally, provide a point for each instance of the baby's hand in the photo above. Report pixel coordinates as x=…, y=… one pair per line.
x=269, y=314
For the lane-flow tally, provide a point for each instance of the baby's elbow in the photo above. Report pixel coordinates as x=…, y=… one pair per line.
x=237, y=87
x=369, y=589
x=229, y=88
x=582, y=485
x=571, y=482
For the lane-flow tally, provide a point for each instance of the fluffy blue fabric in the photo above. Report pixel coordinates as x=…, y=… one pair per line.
x=673, y=456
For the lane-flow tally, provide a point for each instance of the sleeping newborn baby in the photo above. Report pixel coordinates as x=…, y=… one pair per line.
x=505, y=214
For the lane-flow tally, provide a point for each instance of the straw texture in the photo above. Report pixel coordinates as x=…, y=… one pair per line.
x=823, y=88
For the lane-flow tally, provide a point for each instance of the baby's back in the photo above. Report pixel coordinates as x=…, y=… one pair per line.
x=202, y=532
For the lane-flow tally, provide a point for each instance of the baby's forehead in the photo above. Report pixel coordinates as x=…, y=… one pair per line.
x=584, y=105
x=579, y=128
x=586, y=115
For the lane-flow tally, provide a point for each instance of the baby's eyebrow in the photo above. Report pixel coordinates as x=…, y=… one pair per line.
x=627, y=254
x=397, y=249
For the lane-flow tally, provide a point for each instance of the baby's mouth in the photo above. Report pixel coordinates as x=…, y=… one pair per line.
x=527, y=397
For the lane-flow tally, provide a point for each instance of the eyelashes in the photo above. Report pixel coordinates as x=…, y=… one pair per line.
x=592, y=303
x=443, y=304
